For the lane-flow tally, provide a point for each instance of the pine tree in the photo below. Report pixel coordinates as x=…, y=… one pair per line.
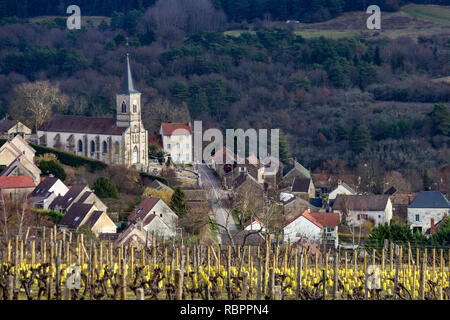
x=359, y=138
x=285, y=154
x=440, y=117
x=177, y=203
x=426, y=180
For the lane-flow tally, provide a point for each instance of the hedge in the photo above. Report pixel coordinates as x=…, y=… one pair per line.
x=69, y=159
x=66, y=158
x=56, y=216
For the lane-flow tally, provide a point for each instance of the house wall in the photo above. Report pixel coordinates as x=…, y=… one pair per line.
x=23, y=147
x=249, y=190
x=302, y=227
x=338, y=190
x=168, y=216
x=6, y=156
x=104, y=225
x=255, y=225
x=16, y=193
x=160, y=228
x=180, y=147
x=425, y=215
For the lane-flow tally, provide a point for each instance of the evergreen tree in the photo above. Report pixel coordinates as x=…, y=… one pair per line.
x=440, y=118
x=177, y=204
x=52, y=168
x=359, y=138
x=105, y=189
x=426, y=180
x=285, y=153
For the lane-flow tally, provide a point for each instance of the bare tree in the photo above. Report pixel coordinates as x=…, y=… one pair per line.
x=35, y=101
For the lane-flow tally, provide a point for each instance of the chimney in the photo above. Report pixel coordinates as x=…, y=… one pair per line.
x=409, y=200
x=432, y=226
x=339, y=181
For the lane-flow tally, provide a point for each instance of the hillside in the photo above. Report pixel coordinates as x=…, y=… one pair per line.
x=341, y=103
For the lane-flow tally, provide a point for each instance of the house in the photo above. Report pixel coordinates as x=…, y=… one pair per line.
x=155, y=216
x=76, y=194
x=245, y=187
x=361, y=208
x=291, y=171
x=303, y=188
x=254, y=225
x=293, y=205
x=10, y=128
x=16, y=187
x=117, y=140
x=342, y=188
x=177, y=141
x=301, y=226
x=400, y=202
x=22, y=166
x=13, y=148
x=330, y=222
x=46, y=191
x=427, y=207
x=132, y=235
x=80, y=214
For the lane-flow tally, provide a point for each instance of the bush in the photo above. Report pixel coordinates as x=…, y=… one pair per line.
x=54, y=215
x=105, y=189
x=54, y=168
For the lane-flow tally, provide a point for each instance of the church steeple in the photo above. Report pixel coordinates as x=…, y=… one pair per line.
x=127, y=82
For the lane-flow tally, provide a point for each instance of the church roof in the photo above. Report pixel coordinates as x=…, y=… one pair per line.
x=127, y=84
x=79, y=124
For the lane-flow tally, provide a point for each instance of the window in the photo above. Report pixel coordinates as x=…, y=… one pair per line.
x=187, y=145
x=124, y=107
x=105, y=147
x=178, y=146
x=80, y=146
x=187, y=157
x=76, y=219
x=92, y=146
x=134, y=108
x=135, y=155
x=417, y=217
x=168, y=146
x=139, y=211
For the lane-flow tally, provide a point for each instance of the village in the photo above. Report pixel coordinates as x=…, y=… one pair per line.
x=243, y=200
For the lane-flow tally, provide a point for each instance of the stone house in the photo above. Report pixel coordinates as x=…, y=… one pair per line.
x=76, y=194
x=427, y=208
x=247, y=190
x=16, y=187
x=341, y=188
x=303, y=188
x=11, y=128
x=292, y=170
x=301, y=226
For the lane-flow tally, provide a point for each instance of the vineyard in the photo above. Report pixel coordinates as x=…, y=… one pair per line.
x=62, y=267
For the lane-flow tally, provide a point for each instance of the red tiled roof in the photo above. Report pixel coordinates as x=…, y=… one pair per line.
x=307, y=215
x=16, y=182
x=169, y=129
x=226, y=154
x=78, y=124
x=327, y=219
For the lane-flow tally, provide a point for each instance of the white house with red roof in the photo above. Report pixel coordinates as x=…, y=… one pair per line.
x=304, y=225
x=177, y=141
x=254, y=225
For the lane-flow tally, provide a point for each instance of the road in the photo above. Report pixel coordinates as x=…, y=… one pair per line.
x=216, y=196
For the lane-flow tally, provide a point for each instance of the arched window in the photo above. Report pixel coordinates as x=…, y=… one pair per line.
x=117, y=147
x=135, y=155
x=105, y=147
x=92, y=146
x=124, y=107
x=134, y=108
x=80, y=146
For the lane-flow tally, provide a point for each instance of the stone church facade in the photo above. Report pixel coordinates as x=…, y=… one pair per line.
x=121, y=140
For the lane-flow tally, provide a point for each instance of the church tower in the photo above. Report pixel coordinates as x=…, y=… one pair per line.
x=128, y=106
x=128, y=101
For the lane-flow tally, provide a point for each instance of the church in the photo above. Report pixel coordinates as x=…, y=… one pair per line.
x=121, y=140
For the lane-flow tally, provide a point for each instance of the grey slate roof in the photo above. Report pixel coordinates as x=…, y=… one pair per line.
x=430, y=199
x=301, y=184
x=127, y=84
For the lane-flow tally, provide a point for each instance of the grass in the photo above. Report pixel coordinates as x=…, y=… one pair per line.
x=429, y=12
x=411, y=20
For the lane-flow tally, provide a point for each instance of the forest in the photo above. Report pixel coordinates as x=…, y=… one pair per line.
x=341, y=103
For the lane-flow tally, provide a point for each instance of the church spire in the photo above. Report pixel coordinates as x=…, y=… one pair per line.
x=127, y=84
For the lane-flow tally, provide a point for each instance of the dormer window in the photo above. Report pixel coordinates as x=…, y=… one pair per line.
x=70, y=199
x=139, y=211
x=124, y=107
x=76, y=219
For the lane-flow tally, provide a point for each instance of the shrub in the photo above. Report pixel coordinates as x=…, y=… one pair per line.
x=105, y=189
x=54, y=168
